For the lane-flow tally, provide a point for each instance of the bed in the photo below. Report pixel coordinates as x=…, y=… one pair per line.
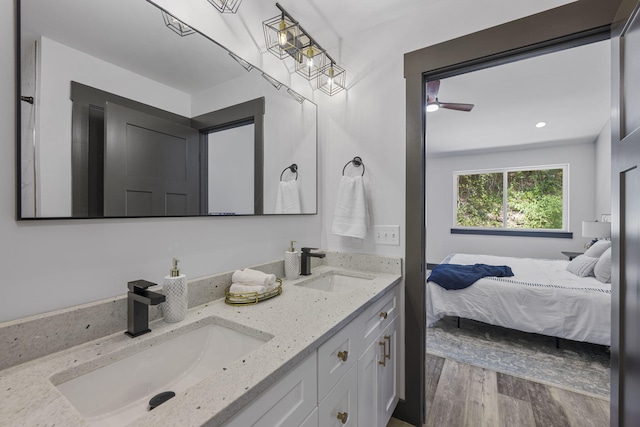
x=541, y=297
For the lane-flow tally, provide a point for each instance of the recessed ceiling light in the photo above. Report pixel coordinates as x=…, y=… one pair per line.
x=541, y=124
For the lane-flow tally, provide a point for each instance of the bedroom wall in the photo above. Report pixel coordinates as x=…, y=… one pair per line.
x=602, y=171
x=440, y=201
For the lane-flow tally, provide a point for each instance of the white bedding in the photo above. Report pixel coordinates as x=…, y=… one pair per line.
x=541, y=297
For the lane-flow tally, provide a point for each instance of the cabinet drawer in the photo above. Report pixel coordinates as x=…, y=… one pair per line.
x=287, y=403
x=340, y=408
x=379, y=315
x=337, y=355
x=312, y=420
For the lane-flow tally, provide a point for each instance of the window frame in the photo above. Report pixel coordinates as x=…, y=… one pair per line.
x=504, y=230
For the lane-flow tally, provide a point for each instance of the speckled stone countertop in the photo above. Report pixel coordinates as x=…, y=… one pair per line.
x=299, y=321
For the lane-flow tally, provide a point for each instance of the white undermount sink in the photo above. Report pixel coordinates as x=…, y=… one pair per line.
x=119, y=393
x=339, y=283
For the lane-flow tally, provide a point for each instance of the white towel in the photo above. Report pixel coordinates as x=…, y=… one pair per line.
x=253, y=277
x=351, y=216
x=288, y=198
x=243, y=288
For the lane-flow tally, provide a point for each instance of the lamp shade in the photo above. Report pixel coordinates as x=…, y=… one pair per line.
x=596, y=229
x=281, y=36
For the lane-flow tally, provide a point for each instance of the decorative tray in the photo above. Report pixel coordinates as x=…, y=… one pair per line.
x=248, y=298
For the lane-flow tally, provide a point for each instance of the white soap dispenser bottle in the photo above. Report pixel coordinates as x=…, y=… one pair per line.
x=174, y=308
x=291, y=263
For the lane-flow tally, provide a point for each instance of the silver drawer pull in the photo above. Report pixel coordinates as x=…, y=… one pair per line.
x=383, y=314
x=388, y=339
x=343, y=355
x=343, y=416
x=383, y=344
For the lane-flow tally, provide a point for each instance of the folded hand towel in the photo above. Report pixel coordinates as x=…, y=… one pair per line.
x=288, y=198
x=243, y=288
x=253, y=277
x=351, y=216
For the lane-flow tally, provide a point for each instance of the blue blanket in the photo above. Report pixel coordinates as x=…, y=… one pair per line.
x=457, y=276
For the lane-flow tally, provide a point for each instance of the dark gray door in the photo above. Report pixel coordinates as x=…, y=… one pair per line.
x=151, y=165
x=625, y=141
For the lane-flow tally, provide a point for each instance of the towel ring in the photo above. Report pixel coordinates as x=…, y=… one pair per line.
x=357, y=161
x=293, y=168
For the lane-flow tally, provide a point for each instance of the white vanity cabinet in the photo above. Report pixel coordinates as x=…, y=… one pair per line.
x=378, y=378
x=351, y=380
x=288, y=403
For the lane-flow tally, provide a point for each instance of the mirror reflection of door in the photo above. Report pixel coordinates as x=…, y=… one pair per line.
x=231, y=159
x=151, y=165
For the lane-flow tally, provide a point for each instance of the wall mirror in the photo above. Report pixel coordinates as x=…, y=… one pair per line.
x=127, y=112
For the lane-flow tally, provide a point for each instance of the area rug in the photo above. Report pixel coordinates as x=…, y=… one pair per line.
x=581, y=367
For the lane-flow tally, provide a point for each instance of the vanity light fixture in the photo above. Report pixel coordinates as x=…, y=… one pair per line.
x=281, y=35
x=310, y=58
x=271, y=80
x=285, y=38
x=176, y=25
x=331, y=79
x=244, y=64
x=226, y=6
x=295, y=95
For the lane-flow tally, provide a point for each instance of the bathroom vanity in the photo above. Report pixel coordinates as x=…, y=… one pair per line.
x=320, y=354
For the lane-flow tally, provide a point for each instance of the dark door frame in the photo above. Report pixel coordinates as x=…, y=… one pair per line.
x=535, y=32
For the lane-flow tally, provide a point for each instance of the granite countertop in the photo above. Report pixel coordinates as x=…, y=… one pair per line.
x=299, y=321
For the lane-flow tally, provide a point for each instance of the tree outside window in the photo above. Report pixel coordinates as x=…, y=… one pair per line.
x=531, y=199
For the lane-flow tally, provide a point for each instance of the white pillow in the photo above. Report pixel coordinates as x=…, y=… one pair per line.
x=602, y=269
x=598, y=248
x=582, y=265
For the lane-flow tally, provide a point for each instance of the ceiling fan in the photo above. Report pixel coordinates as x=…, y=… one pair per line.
x=434, y=105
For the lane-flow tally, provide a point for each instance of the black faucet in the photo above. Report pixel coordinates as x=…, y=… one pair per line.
x=138, y=300
x=305, y=268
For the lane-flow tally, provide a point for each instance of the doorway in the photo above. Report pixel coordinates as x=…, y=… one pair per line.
x=542, y=30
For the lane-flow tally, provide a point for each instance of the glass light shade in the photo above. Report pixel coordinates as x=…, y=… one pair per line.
x=295, y=95
x=281, y=36
x=271, y=80
x=176, y=25
x=310, y=59
x=226, y=6
x=244, y=64
x=596, y=229
x=332, y=79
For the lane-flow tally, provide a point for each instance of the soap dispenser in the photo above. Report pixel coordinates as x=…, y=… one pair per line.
x=291, y=263
x=175, y=291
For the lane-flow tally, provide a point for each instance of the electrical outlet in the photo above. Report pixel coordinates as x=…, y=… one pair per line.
x=387, y=235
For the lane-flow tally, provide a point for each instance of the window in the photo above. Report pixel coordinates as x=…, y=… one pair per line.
x=534, y=198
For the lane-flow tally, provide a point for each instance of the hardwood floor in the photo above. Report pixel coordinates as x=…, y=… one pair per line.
x=461, y=395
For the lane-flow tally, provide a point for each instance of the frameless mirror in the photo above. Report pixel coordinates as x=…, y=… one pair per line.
x=127, y=112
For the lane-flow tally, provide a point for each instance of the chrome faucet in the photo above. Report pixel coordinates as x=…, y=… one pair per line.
x=305, y=267
x=138, y=301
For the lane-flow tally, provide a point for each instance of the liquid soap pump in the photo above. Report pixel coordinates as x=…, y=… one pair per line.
x=291, y=263
x=175, y=291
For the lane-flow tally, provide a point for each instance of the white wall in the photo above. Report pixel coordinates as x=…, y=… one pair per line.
x=50, y=265
x=603, y=172
x=290, y=131
x=440, y=202
x=231, y=160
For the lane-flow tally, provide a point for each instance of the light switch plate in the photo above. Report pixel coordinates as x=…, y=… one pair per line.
x=387, y=235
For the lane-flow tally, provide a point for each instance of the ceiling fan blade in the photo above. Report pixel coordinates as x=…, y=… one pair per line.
x=432, y=89
x=457, y=107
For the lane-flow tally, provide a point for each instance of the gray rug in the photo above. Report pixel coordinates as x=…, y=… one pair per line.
x=575, y=366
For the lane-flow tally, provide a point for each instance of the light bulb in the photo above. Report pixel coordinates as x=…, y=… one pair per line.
x=282, y=38
x=432, y=106
x=309, y=56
